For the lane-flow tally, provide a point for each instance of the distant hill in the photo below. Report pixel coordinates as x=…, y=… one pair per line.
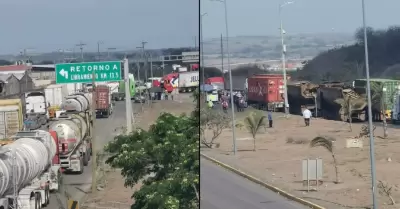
x=298, y=46
x=348, y=62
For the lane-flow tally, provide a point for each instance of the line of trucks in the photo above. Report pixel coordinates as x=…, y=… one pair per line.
x=266, y=92
x=32, y=161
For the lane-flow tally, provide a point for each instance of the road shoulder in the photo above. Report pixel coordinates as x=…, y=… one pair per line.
x=260, y=182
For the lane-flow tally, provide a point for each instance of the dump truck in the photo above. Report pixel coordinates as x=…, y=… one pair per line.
x=302, y=93
x=73, y=128
x=102, y=96
x=390, y=89
x=11, y=119
x=265, y=91
x=329, y=96
x=34, y=155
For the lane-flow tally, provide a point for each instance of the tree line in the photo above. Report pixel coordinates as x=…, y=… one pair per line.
x=347, y=63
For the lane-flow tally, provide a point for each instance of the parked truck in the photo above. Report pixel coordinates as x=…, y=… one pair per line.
x=36, y=113
x=390, y=89
x=30, y=167
x=73, y=130
x=55, y=95
x=217, y=82
x=188, y=81
x=120, y=95
x=330, y=93
x=103, y=101
x=11, y=119
x=300, y=94
x=265, y=91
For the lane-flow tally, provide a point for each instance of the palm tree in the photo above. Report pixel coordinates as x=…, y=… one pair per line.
x=378, y=97
x=351, y=103
x=327, y=143
x=253, y=122
x=346, y=110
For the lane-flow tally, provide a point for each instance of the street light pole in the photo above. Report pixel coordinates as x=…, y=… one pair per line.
x=230, y=75
x=285, y=94
x=202, y=48
x=370, y=124
x=230, y=78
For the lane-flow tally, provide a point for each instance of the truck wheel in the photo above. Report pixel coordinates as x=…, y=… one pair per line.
x=46, y=196
x=82, y=167
x=106, y=114
x=38, y=204
x=85, y=159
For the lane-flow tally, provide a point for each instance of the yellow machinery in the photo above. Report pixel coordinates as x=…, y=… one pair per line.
x=52, y=111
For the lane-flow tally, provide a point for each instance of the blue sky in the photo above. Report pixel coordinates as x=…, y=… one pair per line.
x=49, y=25
x=260, y=17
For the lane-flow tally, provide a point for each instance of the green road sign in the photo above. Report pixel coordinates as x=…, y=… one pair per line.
x=82, y=72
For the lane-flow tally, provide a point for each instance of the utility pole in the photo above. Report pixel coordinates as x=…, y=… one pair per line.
x=98, y=49
x=81, y=45
x=145, y=70
x=143, y=57
x=94, y=149
x=110, y=49
x=151, y=65
x=222, y=55
x=129, y=118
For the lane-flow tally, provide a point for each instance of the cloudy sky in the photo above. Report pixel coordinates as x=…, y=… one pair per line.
x=261, y=17
x=49, y=25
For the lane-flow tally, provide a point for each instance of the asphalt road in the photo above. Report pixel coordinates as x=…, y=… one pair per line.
x=221, y=189
x=78, y=185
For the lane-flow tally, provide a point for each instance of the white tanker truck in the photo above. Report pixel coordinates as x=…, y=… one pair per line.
x=29, y=169
x=73, y=131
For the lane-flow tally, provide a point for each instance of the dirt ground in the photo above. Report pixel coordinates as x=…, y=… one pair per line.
x=115, y=195
x=278, y=162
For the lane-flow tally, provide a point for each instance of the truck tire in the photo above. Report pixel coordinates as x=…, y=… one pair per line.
x=38, y=199
x=106, y=114
x=81, y=166
x=86, y=158
x=46, y=196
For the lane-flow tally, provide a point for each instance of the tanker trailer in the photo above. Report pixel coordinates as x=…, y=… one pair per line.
x=74, y=142
x=30, y=170
x=302, y=93
x=79, y=102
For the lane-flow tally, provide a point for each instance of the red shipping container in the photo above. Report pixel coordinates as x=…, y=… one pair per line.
x=102, y=96
x=264, y=89
x=215, y=80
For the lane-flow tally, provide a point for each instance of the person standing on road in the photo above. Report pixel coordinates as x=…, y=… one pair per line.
x=270, y=118
x=307, y=116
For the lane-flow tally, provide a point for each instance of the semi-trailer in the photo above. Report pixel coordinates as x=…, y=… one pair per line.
x=104, y=107
x=30, y=170
x=73, y=131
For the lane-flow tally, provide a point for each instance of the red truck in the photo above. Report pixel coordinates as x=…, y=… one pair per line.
x=216, y=81
x=266, y=91
x=103, y=101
